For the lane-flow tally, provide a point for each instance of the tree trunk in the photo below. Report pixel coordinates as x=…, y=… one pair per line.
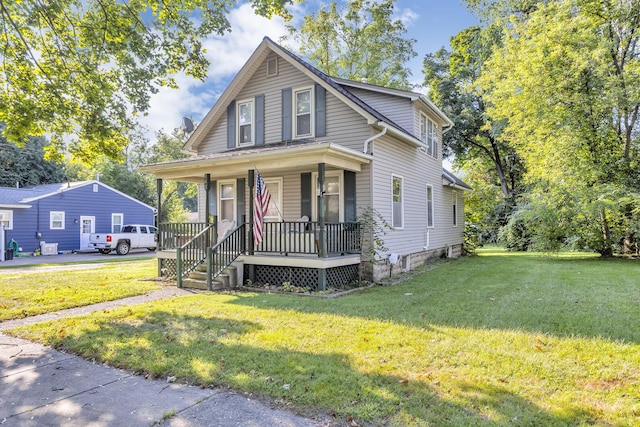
x=606, y=250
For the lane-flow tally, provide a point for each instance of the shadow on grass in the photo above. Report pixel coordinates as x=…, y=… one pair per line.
x=197, y=350
x=564, y=296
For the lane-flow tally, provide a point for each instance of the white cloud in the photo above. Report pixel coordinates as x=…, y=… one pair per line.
x=227, y=55
x=408, y=17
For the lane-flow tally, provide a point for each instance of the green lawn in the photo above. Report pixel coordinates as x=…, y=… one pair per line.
x=498, y=339
x=25, y=294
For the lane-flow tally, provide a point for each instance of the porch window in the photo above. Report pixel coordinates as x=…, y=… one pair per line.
x=227, y=204
x=429, y=206
x=117, y=220
x=245, y=123
x=56, y=220
x=274, y=212
x=454, y=206
x=397, y=220
x=332, y=197
x=6, y=219
x=303, y=123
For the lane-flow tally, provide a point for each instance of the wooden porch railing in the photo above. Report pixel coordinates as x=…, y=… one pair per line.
x=195, y=244
x=223, y=253
x=294, y=237
x=193, y=253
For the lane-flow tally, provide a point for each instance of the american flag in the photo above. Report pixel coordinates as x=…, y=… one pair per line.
x=260, y=209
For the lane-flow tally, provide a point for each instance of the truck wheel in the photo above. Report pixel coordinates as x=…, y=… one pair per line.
x=122, y=248
x=151, y=249
x=104, y=251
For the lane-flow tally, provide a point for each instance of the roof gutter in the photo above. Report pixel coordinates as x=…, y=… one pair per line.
x=365, y=149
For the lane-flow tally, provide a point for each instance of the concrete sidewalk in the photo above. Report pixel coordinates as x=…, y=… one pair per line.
x=40, y=386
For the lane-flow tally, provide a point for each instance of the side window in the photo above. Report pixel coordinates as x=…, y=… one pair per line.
x=454, y=205
x=429, y=206
x=6, y=219
x=397, y=220
x=56, y=220
x=117, y=219
x=143, y=230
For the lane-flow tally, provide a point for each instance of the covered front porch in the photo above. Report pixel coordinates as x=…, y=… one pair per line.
x=311, y=237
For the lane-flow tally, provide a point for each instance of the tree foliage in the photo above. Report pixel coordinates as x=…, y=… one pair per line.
x=82, y=70
x=26, y=165
x=362, y=40
x=452, y=78
x=567, y=85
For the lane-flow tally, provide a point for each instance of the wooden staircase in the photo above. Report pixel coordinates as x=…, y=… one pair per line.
x=197, y=279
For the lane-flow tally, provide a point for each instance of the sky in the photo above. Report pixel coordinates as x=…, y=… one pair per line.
x=430, y=22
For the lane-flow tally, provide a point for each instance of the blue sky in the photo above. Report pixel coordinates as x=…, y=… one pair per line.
x=430, y=22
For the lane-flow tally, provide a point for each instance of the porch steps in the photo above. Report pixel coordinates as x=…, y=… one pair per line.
x=198, y=279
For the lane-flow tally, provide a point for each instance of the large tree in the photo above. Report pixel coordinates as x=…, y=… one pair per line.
x=81, y=70
x=361, y=40
x=26, y=166
x=567, y=83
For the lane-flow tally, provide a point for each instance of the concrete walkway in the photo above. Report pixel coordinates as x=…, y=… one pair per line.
x=40, y=386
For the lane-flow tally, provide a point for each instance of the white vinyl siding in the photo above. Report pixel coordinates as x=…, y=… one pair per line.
x=397, y=109
x=6, y=219
x=418, y=171
x=56, y=220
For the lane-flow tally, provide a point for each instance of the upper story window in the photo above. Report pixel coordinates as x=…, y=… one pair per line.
x=303, y=107
x=429, y=134
x=6, y=219
x=245, y=122
x=56, y=220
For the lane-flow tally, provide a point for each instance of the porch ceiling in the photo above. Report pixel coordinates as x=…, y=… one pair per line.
x=302, y=157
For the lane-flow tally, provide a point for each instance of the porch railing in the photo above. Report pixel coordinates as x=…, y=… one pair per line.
x=192, y=253
x=172, y=235
x=294, y=237
x=223, y=253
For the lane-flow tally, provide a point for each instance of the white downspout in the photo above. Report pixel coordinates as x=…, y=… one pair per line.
x=365, y=149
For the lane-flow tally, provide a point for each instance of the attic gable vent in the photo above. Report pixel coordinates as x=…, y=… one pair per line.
x=272, y=67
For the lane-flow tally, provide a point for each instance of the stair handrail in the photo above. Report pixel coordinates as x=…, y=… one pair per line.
x=198, y=258
x=225, y=252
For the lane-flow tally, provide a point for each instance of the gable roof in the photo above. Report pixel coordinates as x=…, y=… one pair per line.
x=338, y=87
x=17, y=198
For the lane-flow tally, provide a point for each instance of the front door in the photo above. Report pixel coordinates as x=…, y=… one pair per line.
x=87, y=226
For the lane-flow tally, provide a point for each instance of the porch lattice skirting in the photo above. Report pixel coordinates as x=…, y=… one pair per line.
x=337, y=277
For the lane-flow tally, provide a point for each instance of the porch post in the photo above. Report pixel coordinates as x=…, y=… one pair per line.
x=207, y=188
x=251, y=268
x=252, y=180
x=158, y=216
x=322, y=253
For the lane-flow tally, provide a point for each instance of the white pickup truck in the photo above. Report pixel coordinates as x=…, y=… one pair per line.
x=131, y=236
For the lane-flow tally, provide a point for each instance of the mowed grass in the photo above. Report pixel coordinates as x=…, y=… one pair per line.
x=25, y=293
x=498, y=339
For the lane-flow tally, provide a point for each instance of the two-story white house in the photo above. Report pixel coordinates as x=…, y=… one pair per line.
x=327, y=149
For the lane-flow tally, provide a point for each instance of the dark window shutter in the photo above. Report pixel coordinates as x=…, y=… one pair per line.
x=321, y=111
x=259, y=119
x=305, y=194
x=213, y=199
x=231, y=125
x=240, y=200
x=286, y=114
x=350, y=213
